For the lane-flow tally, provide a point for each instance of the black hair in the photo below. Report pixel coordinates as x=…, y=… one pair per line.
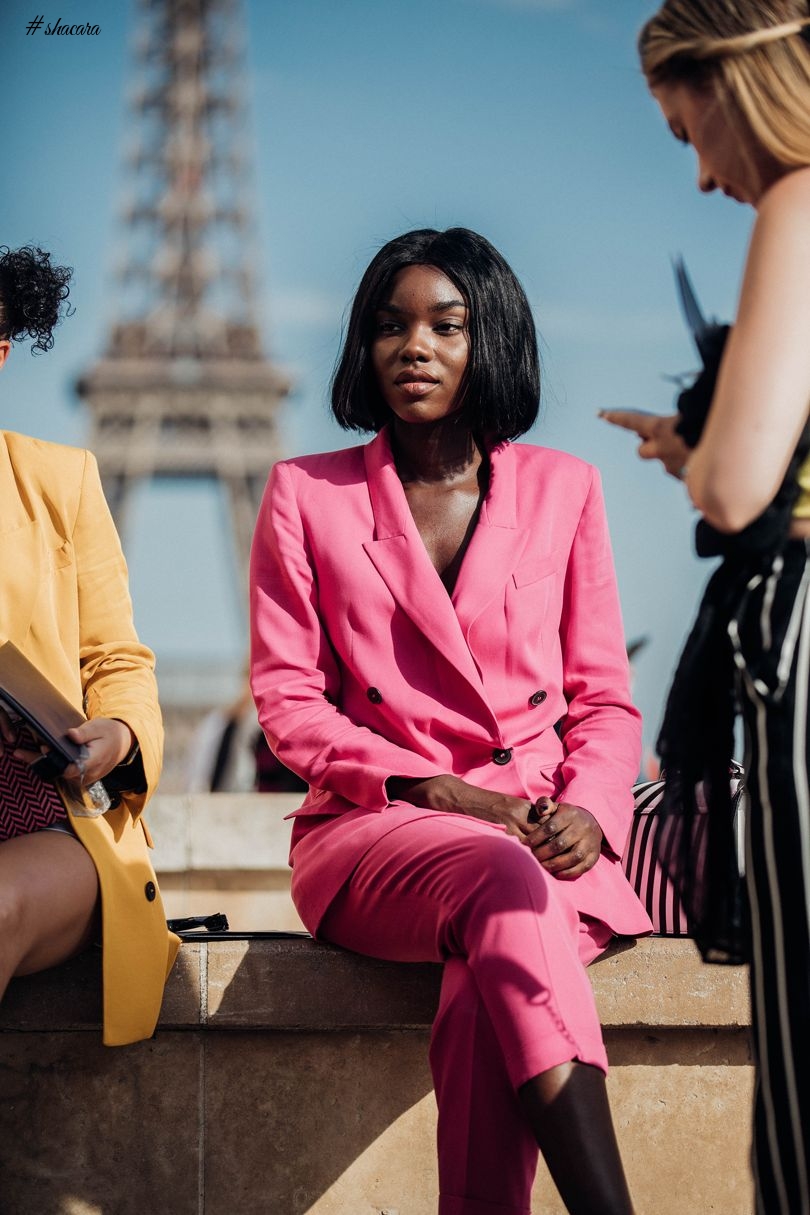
x=32, y=293
x=501, y=386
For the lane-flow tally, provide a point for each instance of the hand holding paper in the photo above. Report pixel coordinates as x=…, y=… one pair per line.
x=106, y=743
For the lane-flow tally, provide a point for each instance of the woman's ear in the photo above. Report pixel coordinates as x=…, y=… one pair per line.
x=5, y=350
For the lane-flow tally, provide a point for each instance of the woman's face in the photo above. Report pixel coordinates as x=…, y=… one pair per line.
x=727, y=161
x=421, y=345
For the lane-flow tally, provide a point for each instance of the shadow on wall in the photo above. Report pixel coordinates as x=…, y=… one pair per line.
x=296, y=1116
x=232, y=1121
x=307, y=1088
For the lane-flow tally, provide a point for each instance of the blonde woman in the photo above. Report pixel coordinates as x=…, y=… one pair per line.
x=732, y=78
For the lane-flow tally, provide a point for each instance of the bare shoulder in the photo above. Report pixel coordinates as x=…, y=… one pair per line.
x=792, y=190
x=778, y=267
x=784, y=210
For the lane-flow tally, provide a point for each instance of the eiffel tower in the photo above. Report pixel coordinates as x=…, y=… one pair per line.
x=184, y=388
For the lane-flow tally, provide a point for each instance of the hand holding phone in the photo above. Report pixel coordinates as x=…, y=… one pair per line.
x=659, y=438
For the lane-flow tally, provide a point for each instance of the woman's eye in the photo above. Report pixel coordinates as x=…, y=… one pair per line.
x=449, y=327
x=385, y=328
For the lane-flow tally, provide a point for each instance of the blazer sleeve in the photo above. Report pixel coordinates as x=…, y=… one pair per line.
x=294, y=671
x=601, y=732
x=117, y=672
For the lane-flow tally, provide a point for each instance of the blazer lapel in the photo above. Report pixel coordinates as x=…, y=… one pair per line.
x=496, y=544
x=21, y=555
x=401, y=560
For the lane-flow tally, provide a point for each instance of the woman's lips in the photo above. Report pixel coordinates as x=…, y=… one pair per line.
x=416, y=388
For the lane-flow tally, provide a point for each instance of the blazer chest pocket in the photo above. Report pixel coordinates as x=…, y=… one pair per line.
x=534, y=570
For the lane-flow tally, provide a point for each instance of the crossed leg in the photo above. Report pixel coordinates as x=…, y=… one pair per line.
x=517, y=1034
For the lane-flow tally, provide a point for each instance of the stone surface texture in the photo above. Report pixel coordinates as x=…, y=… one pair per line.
x=87, y=1129
x=290, y=1078
x=225, y=852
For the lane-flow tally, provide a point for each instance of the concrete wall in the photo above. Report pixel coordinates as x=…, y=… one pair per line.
x=289, y=1078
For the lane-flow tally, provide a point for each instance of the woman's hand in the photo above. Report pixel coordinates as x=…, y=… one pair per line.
x=107, y=742
x=456, y=796
x=567, y=841
x=659, y=439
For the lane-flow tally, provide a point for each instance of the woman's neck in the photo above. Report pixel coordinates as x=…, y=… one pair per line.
x=444, y=450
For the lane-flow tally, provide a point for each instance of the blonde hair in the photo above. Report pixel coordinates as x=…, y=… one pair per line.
x=754, y=53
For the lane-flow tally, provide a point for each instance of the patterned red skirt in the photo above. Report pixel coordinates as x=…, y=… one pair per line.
x=27, y=803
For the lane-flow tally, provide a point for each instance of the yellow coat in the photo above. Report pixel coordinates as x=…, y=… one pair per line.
x=64, y=601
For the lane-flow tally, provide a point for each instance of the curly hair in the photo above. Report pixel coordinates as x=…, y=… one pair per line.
x=501, y=386
x=32, y=295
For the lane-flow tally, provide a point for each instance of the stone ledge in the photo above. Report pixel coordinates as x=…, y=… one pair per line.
x=297, y=984
x=291, y=1077
x=245, y=832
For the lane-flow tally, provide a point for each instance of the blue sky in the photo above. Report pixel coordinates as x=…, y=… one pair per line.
x=524, y=119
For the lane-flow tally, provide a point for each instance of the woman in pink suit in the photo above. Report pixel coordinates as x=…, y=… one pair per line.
x=437, y=649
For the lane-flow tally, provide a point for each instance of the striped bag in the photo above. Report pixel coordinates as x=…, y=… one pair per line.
x=653, y=887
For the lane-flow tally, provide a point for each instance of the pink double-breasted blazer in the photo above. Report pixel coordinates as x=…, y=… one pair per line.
x=363, y=667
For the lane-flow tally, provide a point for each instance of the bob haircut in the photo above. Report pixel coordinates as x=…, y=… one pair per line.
x=501, y=385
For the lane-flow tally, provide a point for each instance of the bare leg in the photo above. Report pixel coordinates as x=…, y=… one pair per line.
x=48, y=902
x=568, y=1109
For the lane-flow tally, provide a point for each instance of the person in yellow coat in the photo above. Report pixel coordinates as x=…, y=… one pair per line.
x=64, y=602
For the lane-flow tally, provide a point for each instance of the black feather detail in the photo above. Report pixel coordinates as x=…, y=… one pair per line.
x=770, y=529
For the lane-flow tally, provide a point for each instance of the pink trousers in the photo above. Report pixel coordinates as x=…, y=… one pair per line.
x=515, y=998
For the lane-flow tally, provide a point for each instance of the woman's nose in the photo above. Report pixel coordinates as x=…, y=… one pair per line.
x=415, y=344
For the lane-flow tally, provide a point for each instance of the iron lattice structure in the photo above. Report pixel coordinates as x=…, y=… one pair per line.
x=184, y=388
